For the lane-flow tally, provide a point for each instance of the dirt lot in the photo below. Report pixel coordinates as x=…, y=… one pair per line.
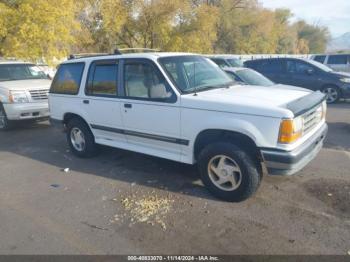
x=127, y=203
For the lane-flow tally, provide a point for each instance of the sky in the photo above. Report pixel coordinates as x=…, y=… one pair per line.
x=335, y=14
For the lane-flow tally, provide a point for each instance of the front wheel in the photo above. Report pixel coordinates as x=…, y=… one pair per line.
x=80, y=138
x=228, y=172
x=332, y=93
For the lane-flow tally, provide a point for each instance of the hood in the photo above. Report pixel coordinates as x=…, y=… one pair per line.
x=245, y=99
x=29, y=84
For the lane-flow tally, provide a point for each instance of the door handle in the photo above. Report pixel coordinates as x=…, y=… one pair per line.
x=128, y=105
x=86, y=101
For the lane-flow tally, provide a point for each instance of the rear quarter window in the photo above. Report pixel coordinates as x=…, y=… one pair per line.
x=68, y=78
x=337, y=60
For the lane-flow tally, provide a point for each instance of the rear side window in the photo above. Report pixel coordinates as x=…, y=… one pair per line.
x=67, y=79
x=269, y=66
x=320, y=58
x=102, y=79
x=337, y=60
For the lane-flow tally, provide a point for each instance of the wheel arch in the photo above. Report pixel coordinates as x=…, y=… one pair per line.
x=69, y=116
x=208, y=136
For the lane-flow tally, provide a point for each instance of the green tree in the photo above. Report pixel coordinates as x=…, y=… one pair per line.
x=317, y=37
x=37, y=29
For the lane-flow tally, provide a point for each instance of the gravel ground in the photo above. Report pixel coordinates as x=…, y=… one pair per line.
x=127, y=203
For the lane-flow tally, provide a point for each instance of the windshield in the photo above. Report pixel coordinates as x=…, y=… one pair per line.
x=9, y=72
x=234, y=62
x=252, y=77
x=320, y=66
x=194, y=73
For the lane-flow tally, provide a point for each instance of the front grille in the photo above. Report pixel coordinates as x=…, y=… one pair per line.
x=312, y=119
x=41, y=94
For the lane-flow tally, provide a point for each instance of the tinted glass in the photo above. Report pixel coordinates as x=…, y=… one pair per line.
x=103, y=80
x=298, y=67
x=337, y=60
x=252, y=77
x=20, y=72
x=67, y=79
x=141, y=80
x=320, y=58
x=220, y=62
x=269, y=66
x=194, y=73
x=234, y=62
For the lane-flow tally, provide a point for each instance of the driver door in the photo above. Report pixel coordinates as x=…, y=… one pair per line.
x=150, y=110
x=303, y=74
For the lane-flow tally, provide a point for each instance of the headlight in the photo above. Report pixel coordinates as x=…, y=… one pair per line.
x=18, y=97
x=345, y=80
x=291, y=130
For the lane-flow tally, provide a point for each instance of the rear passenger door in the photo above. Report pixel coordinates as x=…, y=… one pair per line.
x=339, y=63
x=102, y=104
x=150, y=110
x=274, y=70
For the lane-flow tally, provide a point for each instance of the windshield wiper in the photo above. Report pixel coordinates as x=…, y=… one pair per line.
x=208, y=87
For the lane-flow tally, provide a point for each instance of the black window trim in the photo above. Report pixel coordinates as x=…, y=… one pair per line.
x=347, y=57
x=80, y=79
x=91, y=70
x=124, y=61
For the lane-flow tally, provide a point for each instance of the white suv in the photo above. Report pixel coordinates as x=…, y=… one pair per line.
x=24, y=92
x=183, y=107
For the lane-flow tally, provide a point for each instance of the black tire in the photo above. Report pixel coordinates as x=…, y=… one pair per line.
x=90, y=148
x=331, y=89
x=5, y=123
x=250, y=176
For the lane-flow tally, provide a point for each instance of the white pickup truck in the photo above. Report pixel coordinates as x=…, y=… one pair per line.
x=183, y=107
x=24, y=92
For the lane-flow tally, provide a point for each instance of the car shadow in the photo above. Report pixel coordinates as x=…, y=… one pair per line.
x=338, y=136
x=43, y=143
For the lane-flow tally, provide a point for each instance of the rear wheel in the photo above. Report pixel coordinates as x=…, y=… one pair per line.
x=4, y=122
x=332, y=92
x=80, y=138
x=228, y=172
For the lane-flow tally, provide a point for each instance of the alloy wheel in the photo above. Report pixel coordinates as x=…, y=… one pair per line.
x=225, y=173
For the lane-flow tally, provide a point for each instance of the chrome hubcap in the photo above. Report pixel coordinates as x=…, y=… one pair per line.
x=332, y=94
x=2, y=119
x=78, y=139
x=225, y=173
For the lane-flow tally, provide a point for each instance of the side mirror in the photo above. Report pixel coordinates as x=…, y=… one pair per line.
x=159, y=92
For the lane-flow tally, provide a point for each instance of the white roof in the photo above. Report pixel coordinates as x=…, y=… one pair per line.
x=152, y=56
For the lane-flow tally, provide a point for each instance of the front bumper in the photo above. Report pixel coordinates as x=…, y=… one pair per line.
x=27, y=111
x=279, y=162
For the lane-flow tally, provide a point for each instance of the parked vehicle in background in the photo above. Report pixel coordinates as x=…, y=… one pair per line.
x=304, y=73
x=248, y=76
x=338, y=62
x=49, y=71
x=184, y=108
x=226, y=61
x=23, y=93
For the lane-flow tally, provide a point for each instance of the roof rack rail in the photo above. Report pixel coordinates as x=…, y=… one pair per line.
x=76, y=56
x=116, y=52
x=134, y=50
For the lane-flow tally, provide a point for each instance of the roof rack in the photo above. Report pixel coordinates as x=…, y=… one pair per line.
x=76, y=56
x=135, y=50
x=116, y=52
